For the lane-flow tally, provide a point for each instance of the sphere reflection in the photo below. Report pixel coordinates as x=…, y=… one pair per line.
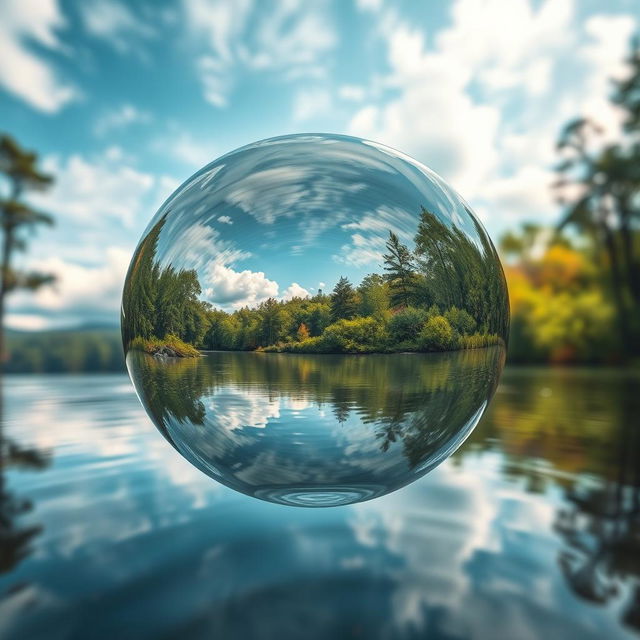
x=260, y=279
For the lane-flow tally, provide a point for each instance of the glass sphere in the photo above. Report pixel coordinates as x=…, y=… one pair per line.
x=315, y=320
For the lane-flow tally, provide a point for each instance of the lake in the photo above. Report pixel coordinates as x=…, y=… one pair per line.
x=531, y=529
x=317, y=430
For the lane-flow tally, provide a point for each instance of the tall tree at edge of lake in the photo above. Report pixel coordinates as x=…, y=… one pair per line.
x=19, y=167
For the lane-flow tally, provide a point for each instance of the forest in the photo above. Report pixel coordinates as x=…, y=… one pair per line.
x=444, y=295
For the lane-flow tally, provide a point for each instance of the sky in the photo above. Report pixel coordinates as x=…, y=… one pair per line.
x=125, y=101
x=289, y=216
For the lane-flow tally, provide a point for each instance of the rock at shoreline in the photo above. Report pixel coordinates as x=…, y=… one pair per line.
x=166, y=352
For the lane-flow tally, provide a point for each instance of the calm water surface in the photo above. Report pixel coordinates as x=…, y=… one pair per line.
x=317, y=430
x=530, y=530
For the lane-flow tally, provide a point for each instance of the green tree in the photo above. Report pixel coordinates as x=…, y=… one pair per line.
x=20, y=167
x=400, y=267
x=607, y=209
x=273, y=321
x=460, y=320
x=374, y=295
x=437, y=335
x=343, y=301
x=319, y=317
x=407, y=323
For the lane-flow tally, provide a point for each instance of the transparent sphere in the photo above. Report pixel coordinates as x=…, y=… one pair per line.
x=315, y=320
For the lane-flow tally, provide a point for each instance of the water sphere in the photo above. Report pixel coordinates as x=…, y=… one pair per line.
x=315, y=320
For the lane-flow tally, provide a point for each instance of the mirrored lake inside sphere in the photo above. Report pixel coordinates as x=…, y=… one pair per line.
x=317, y=430
x=315, y=320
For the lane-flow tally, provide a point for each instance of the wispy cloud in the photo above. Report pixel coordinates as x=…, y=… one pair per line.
x=288, y=38
x=94, y=190
x=116, y=24
x=119, y=118
x=25, y=73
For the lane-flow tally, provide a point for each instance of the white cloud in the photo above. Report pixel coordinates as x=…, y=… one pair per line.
x=289, y=38
x=23, y=72
x=194, y=153
x=225, y=220
x=353, y=93
x=196, y=244
x=114, y=23
x=80, y=291
x=26, y=322
x=605, y=54
x=308, y=103
x=364, y=249
x=484, y=104
x=120, y=118
x=426, y=123
x=294, y=290
x=91, y=191
x=226, y=286
x=285, y=189
x=527, y=192
x=369, y=5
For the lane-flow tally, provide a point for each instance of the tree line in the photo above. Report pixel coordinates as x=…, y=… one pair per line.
x=448, y=293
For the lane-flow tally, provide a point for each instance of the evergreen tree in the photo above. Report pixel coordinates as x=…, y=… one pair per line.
x=374, y=295
x=273, y=321
x=20, y=168
x=401, y=274
x=343, y=300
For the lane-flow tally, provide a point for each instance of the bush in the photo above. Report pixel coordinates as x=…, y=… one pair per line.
x=437, y=335
x=406, y=324
x=359, y=335
x=479, y=340
x=461, y=321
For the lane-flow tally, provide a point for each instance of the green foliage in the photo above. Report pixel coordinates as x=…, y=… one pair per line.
x=478, y=341
x=360, y=335
x=599, y=181
x=344, y=302
x=154, y=345
x=20, y=171
x=401, y=272
x=65, y=351
x=374, y=296
x=459, y=273
x=460, y=320
x=375, y=317
x=406, y=324
x=437, y=335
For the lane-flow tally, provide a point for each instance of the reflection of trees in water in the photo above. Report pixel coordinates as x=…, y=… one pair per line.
x=601, y=524
x=15, y=539
x=584, y=427
x=417, y=399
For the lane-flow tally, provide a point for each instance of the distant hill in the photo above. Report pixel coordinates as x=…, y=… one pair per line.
x=90, y=349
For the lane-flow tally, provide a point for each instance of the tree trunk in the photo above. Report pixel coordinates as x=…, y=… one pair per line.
x=7, y=243
x=632, y=270
x=616, y=282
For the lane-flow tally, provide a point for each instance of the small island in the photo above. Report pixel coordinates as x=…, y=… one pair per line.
x=447, y=293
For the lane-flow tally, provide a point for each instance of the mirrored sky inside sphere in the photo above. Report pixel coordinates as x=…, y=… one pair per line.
x=291, y=215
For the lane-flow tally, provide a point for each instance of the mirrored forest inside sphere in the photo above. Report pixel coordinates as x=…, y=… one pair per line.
x=315, y=319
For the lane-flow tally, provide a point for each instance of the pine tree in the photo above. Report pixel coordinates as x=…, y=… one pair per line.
x=401, y=274
x=20, y=168
x=343, y=300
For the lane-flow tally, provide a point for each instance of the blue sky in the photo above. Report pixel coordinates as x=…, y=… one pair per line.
x=126, y=101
